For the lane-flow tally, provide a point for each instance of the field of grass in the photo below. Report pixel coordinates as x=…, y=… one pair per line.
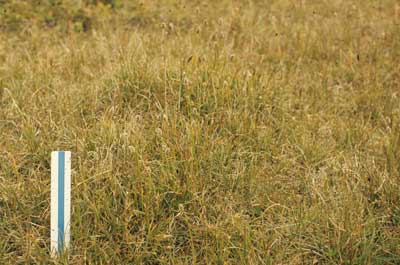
x=203, y=132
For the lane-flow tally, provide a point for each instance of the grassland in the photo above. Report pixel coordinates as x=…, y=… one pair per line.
x=203, y=132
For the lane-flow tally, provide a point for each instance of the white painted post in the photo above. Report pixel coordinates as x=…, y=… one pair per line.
x=60, y=207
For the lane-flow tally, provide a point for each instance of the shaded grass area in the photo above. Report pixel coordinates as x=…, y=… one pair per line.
x=203, y=132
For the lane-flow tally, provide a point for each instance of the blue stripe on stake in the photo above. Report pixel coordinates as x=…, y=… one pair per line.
x=61, y=173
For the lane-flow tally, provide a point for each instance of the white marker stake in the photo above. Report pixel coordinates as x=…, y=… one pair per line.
x=60, y=201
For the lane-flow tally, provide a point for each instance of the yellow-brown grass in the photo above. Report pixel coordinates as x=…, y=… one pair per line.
x=203, y=132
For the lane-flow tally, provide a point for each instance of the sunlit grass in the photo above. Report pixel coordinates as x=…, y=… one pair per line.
x=226, y=132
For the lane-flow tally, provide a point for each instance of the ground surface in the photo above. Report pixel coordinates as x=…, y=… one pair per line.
x=210, y=132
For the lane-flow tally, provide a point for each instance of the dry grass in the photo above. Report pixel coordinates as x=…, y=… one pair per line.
x=213, y=132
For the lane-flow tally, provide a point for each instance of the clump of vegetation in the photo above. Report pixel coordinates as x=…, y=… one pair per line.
x=210, y=132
